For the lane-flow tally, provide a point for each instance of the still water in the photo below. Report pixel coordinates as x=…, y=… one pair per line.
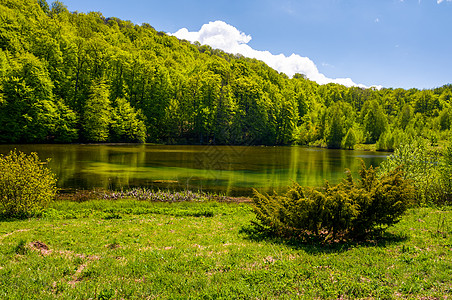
x=231, y=170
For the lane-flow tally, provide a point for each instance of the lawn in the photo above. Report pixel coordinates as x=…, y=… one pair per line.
x=129, y=249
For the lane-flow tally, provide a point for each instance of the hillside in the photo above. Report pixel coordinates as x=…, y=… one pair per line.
x=76, y=77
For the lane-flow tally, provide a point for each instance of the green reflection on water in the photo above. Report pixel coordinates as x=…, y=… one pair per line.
x=232, y=170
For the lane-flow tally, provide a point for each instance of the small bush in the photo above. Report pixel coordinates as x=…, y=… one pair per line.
x=26, y=185
x=445, y=171
x=429, y=171
x=349, y=210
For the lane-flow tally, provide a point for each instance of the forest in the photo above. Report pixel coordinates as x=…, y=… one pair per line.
x=75, y=77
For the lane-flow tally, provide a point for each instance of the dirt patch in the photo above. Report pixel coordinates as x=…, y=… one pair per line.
x=233, y=199
x=89, y=257
x=113, y=246
x=241, y=200
x=41, y=247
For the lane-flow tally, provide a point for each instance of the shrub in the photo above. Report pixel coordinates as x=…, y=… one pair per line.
x=427, y=170
x=445, y=171
x=26, y=185
x=350, y=209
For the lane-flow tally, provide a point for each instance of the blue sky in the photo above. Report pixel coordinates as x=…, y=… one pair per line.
x=389, y=43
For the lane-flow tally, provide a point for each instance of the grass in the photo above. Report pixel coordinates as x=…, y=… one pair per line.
x=129, y=249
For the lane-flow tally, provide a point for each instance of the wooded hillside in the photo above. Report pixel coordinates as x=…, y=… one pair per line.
x=75, y=77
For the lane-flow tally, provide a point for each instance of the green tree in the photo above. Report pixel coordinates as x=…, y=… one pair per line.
x=385, y=142
x=251, y=121
x=335, y=131
x=44, y=6
x=445, y=119
x=426, y=102
x=350, y=139
x=97, y=113
x=405, y=116
x=65, y=125
x=58, y=8
x=127, y=123
x=27, y=108
x=187, y=92
x=287, y=118
x=375, y=122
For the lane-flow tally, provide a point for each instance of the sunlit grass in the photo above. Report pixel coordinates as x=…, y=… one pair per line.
x=138, y=249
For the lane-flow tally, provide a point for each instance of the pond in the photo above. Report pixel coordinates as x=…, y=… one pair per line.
x=230, y=170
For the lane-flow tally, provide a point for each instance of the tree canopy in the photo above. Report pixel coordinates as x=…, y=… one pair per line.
x=70, y=76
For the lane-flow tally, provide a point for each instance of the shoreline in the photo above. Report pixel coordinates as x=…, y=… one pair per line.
x=148, y=195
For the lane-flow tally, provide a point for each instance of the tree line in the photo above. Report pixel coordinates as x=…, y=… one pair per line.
x=76, y=77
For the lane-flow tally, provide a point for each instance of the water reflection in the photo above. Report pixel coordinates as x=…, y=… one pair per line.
x=232, y=170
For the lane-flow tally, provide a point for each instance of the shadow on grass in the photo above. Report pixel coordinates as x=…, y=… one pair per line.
x=15, y=218
x=317, y=245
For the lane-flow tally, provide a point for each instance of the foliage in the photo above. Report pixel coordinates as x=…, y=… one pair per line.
x=445, y=168
x=70, y=76
x=26, y=185
x=336, y=131
x=350, y=139
x=127, y=123
x=97, y=114
x=427, y=170
x=375, y=121
x=392, y=139
x=350, y=209
x=27, y=111
x=385, y=142
x=445, y=119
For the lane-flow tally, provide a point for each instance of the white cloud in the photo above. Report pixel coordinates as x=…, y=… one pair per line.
x=439, y=1
x=226, y=37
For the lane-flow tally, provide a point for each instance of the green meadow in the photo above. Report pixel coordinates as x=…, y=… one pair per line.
x=130, y=249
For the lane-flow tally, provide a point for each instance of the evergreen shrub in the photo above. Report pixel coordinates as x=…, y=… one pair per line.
x=350, y=210
x=26, y=185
